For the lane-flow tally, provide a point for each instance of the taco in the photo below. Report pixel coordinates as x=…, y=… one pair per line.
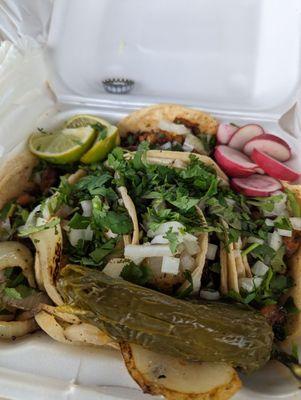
x=20, y=298
x=272, y=284
x=169, y=127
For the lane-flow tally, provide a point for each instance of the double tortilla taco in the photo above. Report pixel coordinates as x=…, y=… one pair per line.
x=115, y=243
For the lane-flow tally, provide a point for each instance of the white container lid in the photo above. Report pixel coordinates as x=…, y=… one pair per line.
x=228, y=56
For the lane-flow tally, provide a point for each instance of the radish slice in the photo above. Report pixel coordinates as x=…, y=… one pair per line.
x=233, y=162
x=244, y=134
x=225, y=133
x=256, y=185
x=269, y=144
x=273, y=167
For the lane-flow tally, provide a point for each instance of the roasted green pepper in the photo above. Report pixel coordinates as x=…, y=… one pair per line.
x=216, y=332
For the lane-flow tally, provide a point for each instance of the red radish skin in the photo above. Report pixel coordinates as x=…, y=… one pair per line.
x=244, y=135
x=256, y=185
x=225, y=133
x=233, y=162
x=269, y=144
x=273, y=167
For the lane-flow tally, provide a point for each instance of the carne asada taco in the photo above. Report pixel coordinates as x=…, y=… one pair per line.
x=169, y=127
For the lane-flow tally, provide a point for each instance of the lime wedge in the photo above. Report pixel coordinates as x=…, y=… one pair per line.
x=102, y=146
x=85, y=120
x=62, y=147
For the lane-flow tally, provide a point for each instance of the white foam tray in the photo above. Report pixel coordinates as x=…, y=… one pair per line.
x=238, y=60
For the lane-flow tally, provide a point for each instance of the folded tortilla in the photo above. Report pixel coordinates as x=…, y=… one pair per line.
x=172, y=158
x=15, y=171
x=151, y=123
x=148, y=118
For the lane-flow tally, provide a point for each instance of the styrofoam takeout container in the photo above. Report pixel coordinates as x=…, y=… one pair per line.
x=239, y=60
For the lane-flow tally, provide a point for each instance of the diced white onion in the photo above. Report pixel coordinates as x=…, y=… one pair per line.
x=187, y=261
x=87, y=207
x=275, y=240
x=284, y=232
x=269, y=222
x=296, y=223
x=114, y=267
x=110, y=235
x=187, y=145
x=168, y=126
x=249, y=284
x=246, y=284
x=175, y=227
x=157, y=250
x=191, y=247
x=188, y=237
x=211, y=252
x=159, y=239
x=253, y=239
x=209, y=295
x=166, y=146
x=75, y=235
x=257, y=281
x=170, y=265
x=259, y=268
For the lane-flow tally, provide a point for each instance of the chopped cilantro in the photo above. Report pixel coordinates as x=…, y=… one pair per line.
x=208, y=141
x=12, y=293
x=186, y=292
x=173, y=239
x=79, y=222
x=119, y=223
x=94, y=184
x=277, y=261
x=250, y=248
x=103, y=250
x=280, y=283
x=140, y=275
x=283, y=223
x=265, y=203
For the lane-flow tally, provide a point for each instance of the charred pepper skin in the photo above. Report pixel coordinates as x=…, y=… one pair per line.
x=216, y=332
